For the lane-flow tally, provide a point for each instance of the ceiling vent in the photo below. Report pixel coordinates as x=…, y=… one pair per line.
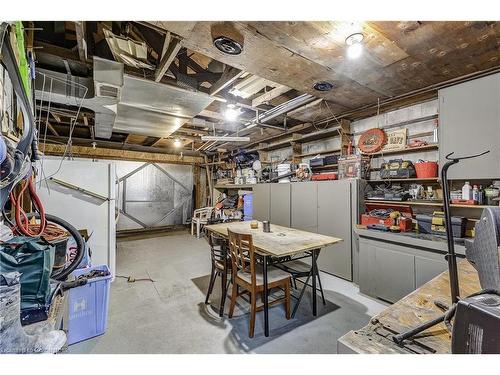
x=108, y=78
x=323, y=86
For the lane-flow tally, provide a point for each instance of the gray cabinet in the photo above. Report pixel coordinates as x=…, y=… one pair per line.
x=261, y=202
x=280, y=204
x=304, y=211
x=469, y=123
x=393, y=274
x=390, y=271
x=426, y=269
x=334, y=219
x=319, y=207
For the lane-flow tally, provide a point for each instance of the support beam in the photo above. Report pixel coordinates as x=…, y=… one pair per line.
x=171, y=47
x=270, y=95
x=51, y=128
x=113, y=154
x=80, y=40
x=228, y=77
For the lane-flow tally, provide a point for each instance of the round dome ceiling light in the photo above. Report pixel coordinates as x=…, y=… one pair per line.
x=354, y=45
x=228, y=45
x=323, y=86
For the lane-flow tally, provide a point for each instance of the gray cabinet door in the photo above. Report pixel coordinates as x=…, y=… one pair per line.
x=367, y=273
x=393, y=274
x=280, y=204
x=304, y=206
x=426, y=269
x=469, y=123
x=261, y=201
x=334, y=219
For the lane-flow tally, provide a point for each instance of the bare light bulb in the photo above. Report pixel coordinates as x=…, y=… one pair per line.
x=231, y=112
x=354, y=50
x=177, y=142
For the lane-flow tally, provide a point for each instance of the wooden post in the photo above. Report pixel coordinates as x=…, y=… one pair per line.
x=296, y=149
x=345, y=135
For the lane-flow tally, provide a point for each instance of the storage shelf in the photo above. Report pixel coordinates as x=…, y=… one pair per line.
x=327, y=133
x=435, y=179
x=414, y=203
x=404, y=150
x=333, y=151
x=323, y=167
x=233, y=186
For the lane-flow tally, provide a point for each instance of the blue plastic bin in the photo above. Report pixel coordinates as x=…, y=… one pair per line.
x=88, y=306
x=248, y=206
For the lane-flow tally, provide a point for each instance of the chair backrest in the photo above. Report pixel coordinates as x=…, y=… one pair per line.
x=242, y=254
x=203, y=213
x=218, y=249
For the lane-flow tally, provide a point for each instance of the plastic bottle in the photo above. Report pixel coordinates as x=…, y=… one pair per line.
x=481, y=195
x=475, y=193
x=466, y=191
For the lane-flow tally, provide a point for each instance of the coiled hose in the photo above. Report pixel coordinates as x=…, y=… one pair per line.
x=80, y=244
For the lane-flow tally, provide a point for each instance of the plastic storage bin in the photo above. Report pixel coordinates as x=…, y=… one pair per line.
x=88, y=306
x=248, y=206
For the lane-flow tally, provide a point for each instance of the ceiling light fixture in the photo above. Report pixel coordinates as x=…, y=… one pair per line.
x=177, y=142
x=231, y=112
x=224, y=138
x=228, y=45
x=323, y=86
x=354, y=45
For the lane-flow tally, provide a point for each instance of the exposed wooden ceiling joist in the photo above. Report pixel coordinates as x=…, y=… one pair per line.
x=171, y=46
x=229, y=76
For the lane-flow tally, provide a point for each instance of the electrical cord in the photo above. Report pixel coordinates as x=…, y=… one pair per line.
x=130, y=279
x=23, y=225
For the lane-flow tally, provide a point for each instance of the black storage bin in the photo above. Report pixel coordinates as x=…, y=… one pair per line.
x=425, y=225
x=331, y=159
x=318, y=162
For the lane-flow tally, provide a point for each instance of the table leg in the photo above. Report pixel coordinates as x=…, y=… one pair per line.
x=266, y=295
x=314, y=275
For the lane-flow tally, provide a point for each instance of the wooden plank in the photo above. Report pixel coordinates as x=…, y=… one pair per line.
x=229, y=75
x=80, y=40
x=114, y=154
x=281, y=241
x=414, y=309
x=170, y=48
x=270, y=95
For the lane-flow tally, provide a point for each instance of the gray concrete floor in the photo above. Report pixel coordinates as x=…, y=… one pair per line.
x=169, y=315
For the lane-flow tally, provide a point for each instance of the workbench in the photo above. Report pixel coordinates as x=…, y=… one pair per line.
x=416, y=308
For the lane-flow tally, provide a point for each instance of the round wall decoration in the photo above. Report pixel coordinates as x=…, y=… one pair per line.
x=372, y=141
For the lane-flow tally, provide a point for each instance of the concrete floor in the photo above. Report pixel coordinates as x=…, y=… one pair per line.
x=169, y=315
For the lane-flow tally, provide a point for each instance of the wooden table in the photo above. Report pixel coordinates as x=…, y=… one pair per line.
x=414, y=309
x=279, y=243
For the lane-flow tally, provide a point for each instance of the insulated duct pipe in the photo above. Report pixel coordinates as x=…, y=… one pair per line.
x=281, y=109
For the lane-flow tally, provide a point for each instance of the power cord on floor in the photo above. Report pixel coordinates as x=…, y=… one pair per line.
x=130, y=279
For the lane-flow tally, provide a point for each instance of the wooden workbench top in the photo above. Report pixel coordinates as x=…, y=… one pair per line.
x=281, y=241
x=416, y=308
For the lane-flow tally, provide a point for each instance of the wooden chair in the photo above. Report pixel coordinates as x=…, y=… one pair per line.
x=248, y=275
x=221, y=266
x=201, y=216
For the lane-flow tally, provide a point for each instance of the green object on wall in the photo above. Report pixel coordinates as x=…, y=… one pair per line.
x=23, y=62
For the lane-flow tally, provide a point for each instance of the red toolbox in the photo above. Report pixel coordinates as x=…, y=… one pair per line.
x=325, y=176
x=405, y=221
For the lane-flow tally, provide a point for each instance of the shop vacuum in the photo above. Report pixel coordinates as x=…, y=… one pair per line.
x=476, y=318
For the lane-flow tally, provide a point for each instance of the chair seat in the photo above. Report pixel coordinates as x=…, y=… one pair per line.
x=273, y=275
x=296, y=267
x=220, y=265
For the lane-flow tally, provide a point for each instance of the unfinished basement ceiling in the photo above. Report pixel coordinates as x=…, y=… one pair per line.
x=280, y=61
x=399, y=57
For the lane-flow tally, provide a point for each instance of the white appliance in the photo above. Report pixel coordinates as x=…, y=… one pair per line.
x=92, y=208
